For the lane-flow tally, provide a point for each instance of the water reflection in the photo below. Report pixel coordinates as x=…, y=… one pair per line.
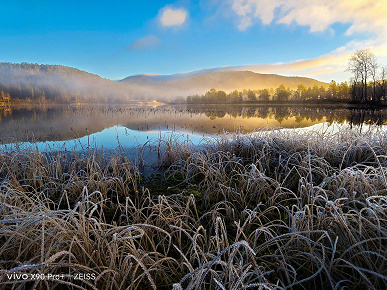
x=110, y=138
x=297, y=116
x=67, y=123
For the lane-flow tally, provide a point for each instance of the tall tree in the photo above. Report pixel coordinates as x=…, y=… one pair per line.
x=333, y=89
x=301, y=92
x=383, y=83
x=373, y=72
x=234, y=97
x=361, y=64
x=264, y=95
x=251, y=96
x=221, y=97
x=282, y=93
x=343, y=90
x=210, y=96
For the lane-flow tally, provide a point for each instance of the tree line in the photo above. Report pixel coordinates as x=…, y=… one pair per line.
x=333, y=92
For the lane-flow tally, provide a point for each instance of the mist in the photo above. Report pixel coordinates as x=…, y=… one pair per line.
x=65, y=84
x=59, y=83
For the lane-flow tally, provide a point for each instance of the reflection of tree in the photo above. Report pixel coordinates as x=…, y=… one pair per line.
x=299, y=118
x=281, y=113
x=5, y=112
x=363, y=116
x=311, y=113
x=319, y=118
x=250, y=113
x=71, y=122
x=234, y=113
x=213, y=114
x=263, y=112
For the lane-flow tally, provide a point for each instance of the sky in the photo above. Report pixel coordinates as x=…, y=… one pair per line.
x=116, y=39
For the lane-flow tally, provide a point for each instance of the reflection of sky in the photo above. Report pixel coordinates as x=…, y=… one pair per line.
x=111, y=138
x=120, y=136
x=68, y=123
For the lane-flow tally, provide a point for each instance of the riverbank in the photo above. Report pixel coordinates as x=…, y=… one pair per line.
x=270, y=209
x=308, y=103
x=133, y=104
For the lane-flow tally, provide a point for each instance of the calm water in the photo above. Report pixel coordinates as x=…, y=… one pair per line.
x=112, y=126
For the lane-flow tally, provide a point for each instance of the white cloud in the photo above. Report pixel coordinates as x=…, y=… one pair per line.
x=363, y=16
x=248, y=10
x=147, y=42
x=325, y=67
x=173, y=16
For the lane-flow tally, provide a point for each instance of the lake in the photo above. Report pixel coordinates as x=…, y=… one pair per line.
x=110, y=126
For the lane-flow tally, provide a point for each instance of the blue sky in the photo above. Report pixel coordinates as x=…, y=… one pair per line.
x=115, y=39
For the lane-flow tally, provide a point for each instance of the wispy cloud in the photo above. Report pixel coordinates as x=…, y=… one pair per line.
x=170, y=16
x=317, y=67
x=324, y=67
x=363, y=16
x=366, y=17
x=147, y=42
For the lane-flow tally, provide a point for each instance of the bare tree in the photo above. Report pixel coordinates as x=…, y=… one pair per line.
x=373, y=65
x=356, y=93
x=383, y=83
x=361, y=64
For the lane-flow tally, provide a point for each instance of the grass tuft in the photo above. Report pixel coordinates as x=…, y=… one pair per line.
x=269, y=210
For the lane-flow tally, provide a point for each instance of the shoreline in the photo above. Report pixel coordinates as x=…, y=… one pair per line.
x=139, y=104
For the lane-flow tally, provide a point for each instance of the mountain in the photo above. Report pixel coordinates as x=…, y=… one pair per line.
x=62, y=84
x=199, y=82
x=57, y=83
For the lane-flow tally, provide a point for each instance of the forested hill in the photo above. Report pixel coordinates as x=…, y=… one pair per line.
x=27, y=82
x=40, y=83
x=198, y=83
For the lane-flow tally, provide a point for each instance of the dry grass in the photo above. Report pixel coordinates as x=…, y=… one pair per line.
x=270, y=210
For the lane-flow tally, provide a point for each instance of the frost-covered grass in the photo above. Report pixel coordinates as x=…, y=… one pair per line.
x=267, y=210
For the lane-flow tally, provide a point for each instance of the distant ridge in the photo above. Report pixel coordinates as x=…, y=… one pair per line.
x=37, y=82
x=199, y=82
x=66, y=84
